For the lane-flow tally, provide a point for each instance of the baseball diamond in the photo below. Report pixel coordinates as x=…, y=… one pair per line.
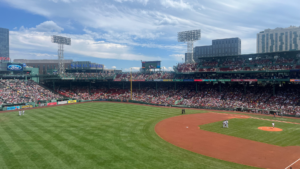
x=127, y=135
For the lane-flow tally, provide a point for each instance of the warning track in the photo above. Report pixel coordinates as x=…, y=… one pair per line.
x=252, y=153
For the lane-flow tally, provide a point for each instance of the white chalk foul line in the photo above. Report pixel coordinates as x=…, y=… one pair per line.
x=292, y=164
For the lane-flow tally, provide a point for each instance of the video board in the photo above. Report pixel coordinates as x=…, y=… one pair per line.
x=151, y=64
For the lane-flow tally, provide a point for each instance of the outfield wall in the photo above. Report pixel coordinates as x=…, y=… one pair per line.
x=55, y=103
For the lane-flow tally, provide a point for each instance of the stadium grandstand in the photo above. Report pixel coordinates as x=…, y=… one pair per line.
x=259, y=83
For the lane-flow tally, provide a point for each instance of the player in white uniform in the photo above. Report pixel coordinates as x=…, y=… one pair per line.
x=273, y=124
x=20, y=113
x=227, y=123
x=23, y=112
x=224, y=123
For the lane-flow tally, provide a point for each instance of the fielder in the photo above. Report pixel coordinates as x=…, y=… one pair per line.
x=224, y=123
x=20, y=113
x=23, y=112
x=273, y=124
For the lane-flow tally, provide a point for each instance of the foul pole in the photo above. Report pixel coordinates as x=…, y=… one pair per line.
x=130, y=85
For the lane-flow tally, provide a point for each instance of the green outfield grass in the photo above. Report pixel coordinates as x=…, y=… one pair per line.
x=247, y=128
x=94, y=135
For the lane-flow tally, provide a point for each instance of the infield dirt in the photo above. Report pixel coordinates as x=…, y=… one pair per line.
x=174, y=130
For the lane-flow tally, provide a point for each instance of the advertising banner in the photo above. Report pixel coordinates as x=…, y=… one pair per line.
x=72, y=101
x=62, y=102
x=188, y=80
x=198, y=80
x=67, y=78
x=52, y=103
x=117, y=80
x=140, y=80
x=209, y=80
x=236, y=80
x=158, y=80
x=177, y=80
x=102, y=99
x=13, y=108
x=14, y=67
x=27, y=106
x=42, y=105
x=224, y=80
x=168, y=80
x=4, y=58
x=250, y=80
x=295, y=80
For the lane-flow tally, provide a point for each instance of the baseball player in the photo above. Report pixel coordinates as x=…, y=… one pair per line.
x=23, y=112
x=224, y=123
x=20, y=113
x=273, y=124
x=227, y=123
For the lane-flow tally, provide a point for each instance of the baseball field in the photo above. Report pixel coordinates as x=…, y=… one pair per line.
x=116, y=135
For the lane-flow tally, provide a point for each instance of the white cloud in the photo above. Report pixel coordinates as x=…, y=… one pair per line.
x=167, y=68
x=133, y=69
x=31, y=41
x=27, y=55
x=123, y=25
x=47, y=26
x=178, y=57
x=144, y=2
x=179, y=4
x=114, y=67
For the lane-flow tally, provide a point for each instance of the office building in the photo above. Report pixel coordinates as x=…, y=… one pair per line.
x=279, y=39
x=219, y=47
x=4, y=43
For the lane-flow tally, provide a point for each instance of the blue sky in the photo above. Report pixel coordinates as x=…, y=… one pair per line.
x=121, y=33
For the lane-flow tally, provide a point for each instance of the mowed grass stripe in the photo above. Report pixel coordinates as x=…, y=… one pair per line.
x=28, y=150
x=76, y=120
x=49, y=146
x=106, y=135
x=74, y=144
x=8, y=157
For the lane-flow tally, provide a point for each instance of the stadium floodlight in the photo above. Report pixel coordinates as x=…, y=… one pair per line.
x=189, y=37
x=61, y=41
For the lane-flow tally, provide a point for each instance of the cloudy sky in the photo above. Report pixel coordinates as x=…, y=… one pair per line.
x=121, y=33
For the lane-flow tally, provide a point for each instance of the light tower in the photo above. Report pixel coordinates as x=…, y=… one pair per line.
x=189, y=37
x=61, y=41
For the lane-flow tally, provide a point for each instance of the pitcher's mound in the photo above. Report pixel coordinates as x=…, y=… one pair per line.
x=269, y=129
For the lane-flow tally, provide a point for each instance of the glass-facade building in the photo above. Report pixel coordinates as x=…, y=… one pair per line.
x=219, y=47
x=4, y=42
x=279, y=39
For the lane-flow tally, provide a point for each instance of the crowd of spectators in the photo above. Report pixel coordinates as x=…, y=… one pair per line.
x=259, y=64
x=144, y=76
x=210, y=63
x=238, y=63
x=89, y=75
x=187, y=67
x=15, y=91
x=259, y=98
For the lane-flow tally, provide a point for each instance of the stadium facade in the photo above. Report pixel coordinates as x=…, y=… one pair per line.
x=4, y=43
x=219, y=47
x=45, y=65
x=279, y=39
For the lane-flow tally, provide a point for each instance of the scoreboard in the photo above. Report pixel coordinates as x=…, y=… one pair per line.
x=151, y=64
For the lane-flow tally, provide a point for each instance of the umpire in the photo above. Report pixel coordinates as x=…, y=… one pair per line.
x=183, y=111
